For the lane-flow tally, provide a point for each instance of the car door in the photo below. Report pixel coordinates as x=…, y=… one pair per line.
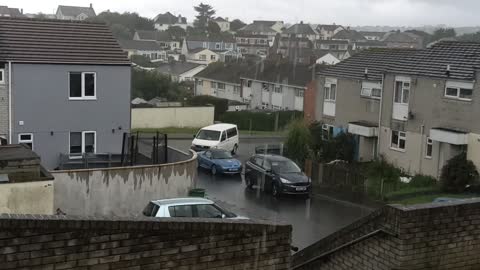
x=181, y=210
x=223, y=141
x=257, y=171
x=207, y=211
x=268, y=175
x=207, y=159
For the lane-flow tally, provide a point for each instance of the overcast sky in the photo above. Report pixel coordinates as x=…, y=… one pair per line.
x=346, y=12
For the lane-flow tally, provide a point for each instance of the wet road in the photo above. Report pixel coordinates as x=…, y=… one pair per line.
x=312, y=219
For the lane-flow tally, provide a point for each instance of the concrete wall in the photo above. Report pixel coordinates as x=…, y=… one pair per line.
x=27, y=198
x=40, y=98
x=62, y=242
x=427, y=236
x=121, y=191
x=172, y=117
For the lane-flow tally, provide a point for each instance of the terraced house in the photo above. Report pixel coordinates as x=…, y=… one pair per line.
x=417, y=108
x=62, y=98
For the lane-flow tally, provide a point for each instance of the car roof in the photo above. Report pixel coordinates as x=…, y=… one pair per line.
x=220, y=127
x=183, y=201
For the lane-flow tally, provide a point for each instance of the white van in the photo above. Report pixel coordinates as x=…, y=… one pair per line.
x=218, y=136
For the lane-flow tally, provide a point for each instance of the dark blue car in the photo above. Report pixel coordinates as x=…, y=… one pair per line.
x=219, y=162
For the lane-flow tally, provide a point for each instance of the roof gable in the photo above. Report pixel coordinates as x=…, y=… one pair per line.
x=73, y=11
x=300, y=29
x=153, y=35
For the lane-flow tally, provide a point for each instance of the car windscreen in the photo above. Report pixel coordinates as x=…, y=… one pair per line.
x=209, y=135
x=221, y=155
x=151, y=210
x=284, y=166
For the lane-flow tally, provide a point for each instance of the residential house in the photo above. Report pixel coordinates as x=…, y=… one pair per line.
x=340, y=49
x=224, y=49
x=327, y=31
x=369, y=44
x=224, y=24
x=147, y=48
x=300, y=31
x=403, y=40
x=276, y=86
x=10, y=12
x=253, y=44
x=370, y=35
x=63, y=98
x=349, y=96
x=326, y=58
x=221, y=80
x=163, y=39
x=202, y=56
x=167, y=20
x=180, y=71
x=263, y=28
x=296, y=50
x=430, y=108
x=75, y=13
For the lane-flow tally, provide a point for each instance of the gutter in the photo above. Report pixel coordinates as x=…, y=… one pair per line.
x=282, y=84
x=10, y=126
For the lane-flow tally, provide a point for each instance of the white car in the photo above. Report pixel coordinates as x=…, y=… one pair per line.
x=187, y=207
x=218, y=136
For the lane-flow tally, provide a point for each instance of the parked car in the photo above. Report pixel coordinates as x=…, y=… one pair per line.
x=271, y=149
x=218, y=136
x=281, y=175
x=187, y=207
x=219, y=161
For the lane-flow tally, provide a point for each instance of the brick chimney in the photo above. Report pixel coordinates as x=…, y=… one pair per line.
x=91, y=5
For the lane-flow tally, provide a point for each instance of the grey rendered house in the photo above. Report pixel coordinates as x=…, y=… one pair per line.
x=273, y=86
x=225, y=48
x=62, y=98
x=349, y=97
x=75, y=13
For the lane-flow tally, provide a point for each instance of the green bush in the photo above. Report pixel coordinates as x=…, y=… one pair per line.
x=298, y=142
x=220, y=104
x=423, y=181
x=261, y=121
x=457, y=174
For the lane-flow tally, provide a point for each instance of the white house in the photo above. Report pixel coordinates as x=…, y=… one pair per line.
x=149, y=49
x=167, y=20
x=202, y=56
x=224, y=24
x=75, y=13
x=180, y=71
x=328, y=59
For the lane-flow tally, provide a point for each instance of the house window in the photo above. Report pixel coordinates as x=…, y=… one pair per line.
x=82, y=142
x=228, y=45
x=26, y=138
x=265, y=87
x=330, y=92
x=205, y=45
x=174, y=45
x=402, y=92
x=249, y=83
x=213, y=84
x=373, y=90
x=203, y=57
x=398, y=140
x=459, y=90
x=218, y=46
x=429, y=148
x=200, y=82
x=213, y=57
x=221, y=86
x=2, y=75
x=327, y=132
x=236, y=90
x=82, y=85
x=263, y=41
x=299, y=93
x=278, y=89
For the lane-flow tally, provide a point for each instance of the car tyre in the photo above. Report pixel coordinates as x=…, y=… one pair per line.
x=234, y=150
x=275, y=190
x=213, y=170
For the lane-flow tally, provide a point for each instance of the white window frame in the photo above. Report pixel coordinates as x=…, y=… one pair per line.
x=429, y=143
x=401, y=135
x=213, y=57
x=236, y=90
x=200, y=82
x=218, y=46
x=202, y=57
x=20, y=141
x=221, y=88
x=327, y=132
x=2, y=78
x=327, y=95
x=278, y=89
x=458, y=86
x=300, y=93
x=404, y=89
x=83, y=143
x=367, y=90
x=82, y=87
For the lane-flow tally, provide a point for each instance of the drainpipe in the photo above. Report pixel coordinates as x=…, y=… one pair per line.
x=10, y=126
x=380, y=116
x=422, y=131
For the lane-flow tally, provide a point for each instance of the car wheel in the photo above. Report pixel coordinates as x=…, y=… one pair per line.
x=275, y=190
x=214, y=170
x=234, y=150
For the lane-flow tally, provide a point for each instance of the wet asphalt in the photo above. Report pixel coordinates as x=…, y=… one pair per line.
x=311, y=219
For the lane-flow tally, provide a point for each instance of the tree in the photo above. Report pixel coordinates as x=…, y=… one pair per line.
x=473, y=37
x=150, y=84
x=458, y=173
x=120, y=31
x=236, y=24
x=426, y=37
x=205, y=13
x=443, y=33
x=176, y=32
x=298, y=142
x=130, y=21
x=213, y=28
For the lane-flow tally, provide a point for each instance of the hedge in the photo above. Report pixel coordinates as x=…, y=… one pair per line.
x=261, y=121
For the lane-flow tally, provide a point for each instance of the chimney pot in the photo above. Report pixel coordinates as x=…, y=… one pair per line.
x=91, y=5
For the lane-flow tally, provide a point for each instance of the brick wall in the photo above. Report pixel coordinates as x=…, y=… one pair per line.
x=309, y=101
x=430, y=236
x=60, y=242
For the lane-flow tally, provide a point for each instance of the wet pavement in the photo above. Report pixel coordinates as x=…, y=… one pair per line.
x=312, y=219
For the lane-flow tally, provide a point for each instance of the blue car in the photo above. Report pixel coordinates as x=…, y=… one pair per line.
x=219, y=162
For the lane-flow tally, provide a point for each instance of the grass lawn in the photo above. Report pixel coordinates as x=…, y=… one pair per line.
x=189, y=130
x=429, y=198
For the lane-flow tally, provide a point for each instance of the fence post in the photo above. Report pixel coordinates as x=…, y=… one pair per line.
x=156, y=147
x=153, y=150
x=132, y=147
x=166, y=148
x=381, y=189
x=123, y=148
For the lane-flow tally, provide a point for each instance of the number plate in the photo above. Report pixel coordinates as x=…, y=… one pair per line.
x=301, y=188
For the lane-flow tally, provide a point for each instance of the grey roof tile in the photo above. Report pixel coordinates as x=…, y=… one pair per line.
x=145, y=45
x=176, y=68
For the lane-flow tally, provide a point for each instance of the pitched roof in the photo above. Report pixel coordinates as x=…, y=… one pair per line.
x=153, y=35
x=348, y=35
x=328, y=27
x=375, y=60
x=223, y=72
x=283, y=73
x=373, y=34
x=258, y=27
x=169, y=18
x=300, y=29
x=371, y=43
x=11, y=12
x=463, y=58
x=176, y=68
x=57, y=41
x=402, y=37
x=211, y=38
x=268, y=23
x=331, y=41
x=143, y=45
x=220, y=19
x=197, y=50
x=75, y=11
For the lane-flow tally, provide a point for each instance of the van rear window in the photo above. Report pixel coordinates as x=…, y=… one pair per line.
x=232, y=132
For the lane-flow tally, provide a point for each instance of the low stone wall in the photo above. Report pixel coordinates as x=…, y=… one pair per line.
x=122, y=191
x=63, y=242
x=27, y=198
x=430, y=236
